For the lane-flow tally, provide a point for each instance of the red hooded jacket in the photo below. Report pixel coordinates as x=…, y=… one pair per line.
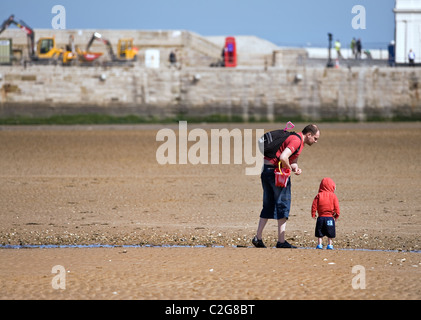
x=326, y=202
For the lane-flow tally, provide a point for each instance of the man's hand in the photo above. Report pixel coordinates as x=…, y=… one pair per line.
x=295, y=169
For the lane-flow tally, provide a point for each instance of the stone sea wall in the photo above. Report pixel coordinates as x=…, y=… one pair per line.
x=250, y=93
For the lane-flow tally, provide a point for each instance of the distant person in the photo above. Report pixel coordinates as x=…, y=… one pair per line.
x=173, y=59
x=411, y=57
x=353, y=46
x=224, y=49
x=326, y=205
x=359, y=48
x=277, y=200
x=391, y=51
x=338, y=49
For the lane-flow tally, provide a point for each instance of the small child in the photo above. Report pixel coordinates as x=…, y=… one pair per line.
x=327, y=206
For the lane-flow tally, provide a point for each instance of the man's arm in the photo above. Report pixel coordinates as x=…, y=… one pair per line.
x=284, y=158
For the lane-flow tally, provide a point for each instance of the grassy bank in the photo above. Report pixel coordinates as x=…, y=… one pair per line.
x=92, y=119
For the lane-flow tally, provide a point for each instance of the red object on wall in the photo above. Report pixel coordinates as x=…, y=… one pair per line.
x=230, y=52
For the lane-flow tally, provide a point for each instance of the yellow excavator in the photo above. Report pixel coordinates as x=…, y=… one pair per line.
x=126, y=52
x=73, y=55
x=46, y=50
x=70, y=55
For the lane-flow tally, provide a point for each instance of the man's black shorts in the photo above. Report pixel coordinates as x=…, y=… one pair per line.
x=325, y=227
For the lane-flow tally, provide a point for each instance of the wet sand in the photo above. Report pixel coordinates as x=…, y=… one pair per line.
x=209, y=273
x=80, y=185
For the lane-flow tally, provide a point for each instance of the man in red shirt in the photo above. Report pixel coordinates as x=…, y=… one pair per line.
x=277, y=200
x=326, y=205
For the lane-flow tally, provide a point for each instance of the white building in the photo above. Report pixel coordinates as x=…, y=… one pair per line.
x=408, y=29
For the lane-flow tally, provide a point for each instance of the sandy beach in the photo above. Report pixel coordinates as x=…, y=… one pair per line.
x=209, y=274
x=85, y=185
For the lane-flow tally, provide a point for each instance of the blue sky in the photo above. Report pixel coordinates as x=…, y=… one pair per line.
x=292, y=22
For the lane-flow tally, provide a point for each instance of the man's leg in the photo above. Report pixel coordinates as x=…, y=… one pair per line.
x=267, y=178
x=282, y=223
x=257, y=240
x=261, y=226
x=282, y=243
x=283, y=205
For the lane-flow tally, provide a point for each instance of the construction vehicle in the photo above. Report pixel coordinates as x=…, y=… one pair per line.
x=87, y=57
x=46, y=50
x=126, y=52
x=73, y=55
x=70, y=55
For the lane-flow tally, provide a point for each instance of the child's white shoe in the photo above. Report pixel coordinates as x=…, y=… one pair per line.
x=319, y=246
